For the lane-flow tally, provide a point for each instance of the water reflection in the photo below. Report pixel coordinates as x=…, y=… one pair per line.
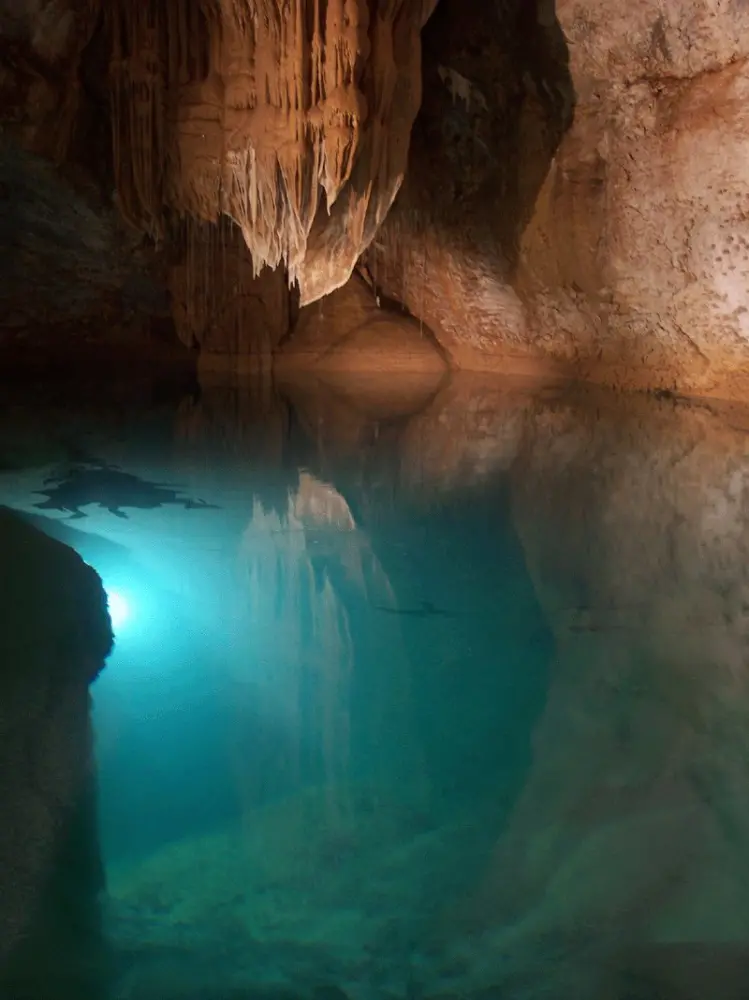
x=321, y=685
x=442, y=695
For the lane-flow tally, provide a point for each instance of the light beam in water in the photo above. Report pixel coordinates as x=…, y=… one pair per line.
x=119, y=611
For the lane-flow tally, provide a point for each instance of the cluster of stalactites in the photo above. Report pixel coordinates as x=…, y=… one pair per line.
x=292, y=117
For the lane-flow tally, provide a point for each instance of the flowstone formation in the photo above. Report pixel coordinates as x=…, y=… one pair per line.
x=291, y=117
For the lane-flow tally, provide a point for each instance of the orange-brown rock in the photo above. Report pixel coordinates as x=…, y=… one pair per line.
x=348, y=332
x=616, y=249
x=576, y=203
x=637, y=259
x=380, y=363
x=497, y=99
x=292, y=119
x=235, y=317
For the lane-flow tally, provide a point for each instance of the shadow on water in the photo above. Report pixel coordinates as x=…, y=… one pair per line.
x=445, y=704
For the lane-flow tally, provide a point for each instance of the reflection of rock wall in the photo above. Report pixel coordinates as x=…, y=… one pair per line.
x=54, y=636
x=633, y=828
x=301, y=664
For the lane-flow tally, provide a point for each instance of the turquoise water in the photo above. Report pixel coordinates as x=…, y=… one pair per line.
x=436, y=696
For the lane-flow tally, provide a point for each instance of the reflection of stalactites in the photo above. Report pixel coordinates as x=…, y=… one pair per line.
x=294, y=657
x=331, y=665
x=317, y=504
x=301, y=572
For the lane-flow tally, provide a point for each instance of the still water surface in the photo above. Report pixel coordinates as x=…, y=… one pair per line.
x=413, y=697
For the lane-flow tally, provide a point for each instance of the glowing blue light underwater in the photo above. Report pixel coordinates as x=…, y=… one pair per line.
x=119, y=609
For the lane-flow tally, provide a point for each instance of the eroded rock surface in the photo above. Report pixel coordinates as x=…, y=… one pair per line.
x=636, y=261
x=41, y=44
x=219, y=304
x=613, y=249
x=349, y=333
x=497, y=98
x=576, y=197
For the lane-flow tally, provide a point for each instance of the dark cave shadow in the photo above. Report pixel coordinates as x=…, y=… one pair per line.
x=54, y=638
x=498, y=98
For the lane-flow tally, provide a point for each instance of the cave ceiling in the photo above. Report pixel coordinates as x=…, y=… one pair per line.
x=290, y=117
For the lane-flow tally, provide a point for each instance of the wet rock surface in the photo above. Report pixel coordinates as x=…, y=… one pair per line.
x=54, y=637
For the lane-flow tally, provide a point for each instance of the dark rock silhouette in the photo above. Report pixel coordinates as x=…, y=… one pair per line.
x=112, y=489
x=55, y=634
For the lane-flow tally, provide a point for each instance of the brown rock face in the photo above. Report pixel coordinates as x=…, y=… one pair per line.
x=348, y=332
x=292, y=119
x=615, y=249
x=41, y=42
x=74, y=282
x=577, y=193
x=651, y=183
x=497, y=99
x=219, y=304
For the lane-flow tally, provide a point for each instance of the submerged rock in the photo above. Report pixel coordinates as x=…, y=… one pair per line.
x=54, y=636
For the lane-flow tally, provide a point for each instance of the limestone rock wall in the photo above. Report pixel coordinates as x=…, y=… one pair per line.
x=498, y=98
x=348, y=333
x=651, y=184
x=609, y=243
x=220, y=305
x=550, y=187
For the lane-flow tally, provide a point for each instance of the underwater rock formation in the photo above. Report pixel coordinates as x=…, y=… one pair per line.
x=54, y=636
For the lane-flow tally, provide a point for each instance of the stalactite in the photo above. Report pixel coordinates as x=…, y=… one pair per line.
x=291, y=117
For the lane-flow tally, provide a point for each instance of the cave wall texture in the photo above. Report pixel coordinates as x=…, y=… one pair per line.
x=575, y=192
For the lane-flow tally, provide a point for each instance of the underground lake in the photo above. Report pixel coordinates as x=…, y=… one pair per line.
x=415, y=697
